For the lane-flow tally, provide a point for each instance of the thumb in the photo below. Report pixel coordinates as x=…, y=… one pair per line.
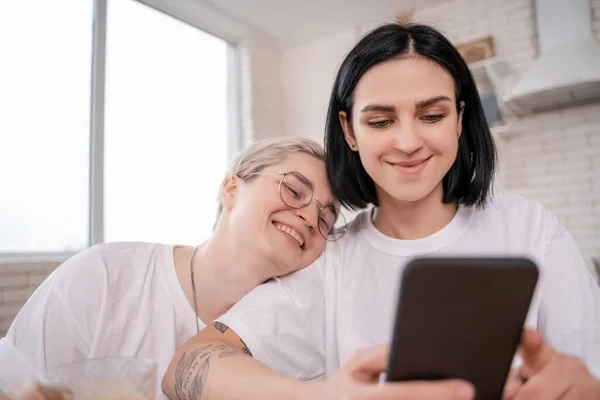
x=28, y=391
x=535, y=352
x=36, y=391
x=367, y=364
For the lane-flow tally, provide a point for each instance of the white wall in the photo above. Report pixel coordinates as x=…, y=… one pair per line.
x=308, y=73
x=262, y=89
x=554, y=158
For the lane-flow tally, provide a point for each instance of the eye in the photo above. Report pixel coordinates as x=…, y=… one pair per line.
x=294, y=193
x=383, y=123
x=324, y=225
x=433, y=118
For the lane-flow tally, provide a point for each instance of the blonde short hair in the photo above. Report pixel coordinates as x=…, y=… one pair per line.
x=267, y=152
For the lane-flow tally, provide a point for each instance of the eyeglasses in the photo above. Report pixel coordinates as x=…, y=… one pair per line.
x=296, y=192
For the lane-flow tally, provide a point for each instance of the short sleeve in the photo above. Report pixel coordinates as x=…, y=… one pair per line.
x=283, y=323
x=569, y=313
x=42, y=335
x=15, y=367
x=57, y=323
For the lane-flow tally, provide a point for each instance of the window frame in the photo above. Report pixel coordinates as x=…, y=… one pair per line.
x=196, y=14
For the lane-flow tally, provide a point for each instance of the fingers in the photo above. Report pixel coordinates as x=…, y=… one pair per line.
x=40, y=392
x=418, y=390
x=535, y=352
x=589, y=390
x=513, y=384
x=547, y=385
x=551, y=375
x=54, y=393
x=26, y=392
x=367, y=364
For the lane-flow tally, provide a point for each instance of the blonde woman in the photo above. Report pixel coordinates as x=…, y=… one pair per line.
x=146, y=299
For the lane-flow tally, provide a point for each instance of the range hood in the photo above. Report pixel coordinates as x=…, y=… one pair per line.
x=567, y=71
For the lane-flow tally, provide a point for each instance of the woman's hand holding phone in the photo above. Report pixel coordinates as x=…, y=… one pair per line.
x=547, y=374
x=358, y=378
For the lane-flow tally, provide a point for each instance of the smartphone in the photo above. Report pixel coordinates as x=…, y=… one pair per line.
x=461, y=318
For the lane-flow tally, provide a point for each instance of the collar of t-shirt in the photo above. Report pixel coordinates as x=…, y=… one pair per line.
x=451, y=232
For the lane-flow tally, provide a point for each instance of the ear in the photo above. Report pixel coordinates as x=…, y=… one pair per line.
x=460, y=119
x=229, y=191
x=348, y=131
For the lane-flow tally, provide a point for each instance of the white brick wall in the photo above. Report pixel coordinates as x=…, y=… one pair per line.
x=511, y=24
x=596, y=17
x=556, y=160
x=17, y=282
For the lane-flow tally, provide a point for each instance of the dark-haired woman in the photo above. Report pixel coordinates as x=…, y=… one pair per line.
x=406, y=133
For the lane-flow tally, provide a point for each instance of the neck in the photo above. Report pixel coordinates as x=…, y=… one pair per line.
x=413, y=220
x=223, y=275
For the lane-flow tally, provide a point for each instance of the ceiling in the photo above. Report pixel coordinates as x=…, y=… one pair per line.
x=294, y=22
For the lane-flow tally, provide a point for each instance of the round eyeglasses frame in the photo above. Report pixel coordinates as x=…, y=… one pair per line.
x=341, y=230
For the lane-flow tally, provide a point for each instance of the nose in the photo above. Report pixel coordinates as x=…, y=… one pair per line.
x=309, y=214
x=407, y=139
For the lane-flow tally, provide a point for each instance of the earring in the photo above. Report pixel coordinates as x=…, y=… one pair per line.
x=353, y=146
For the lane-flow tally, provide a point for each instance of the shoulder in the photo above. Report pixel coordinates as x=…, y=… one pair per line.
x=116, y=251
x=359, y=222
x=103, y=264
x=113, y=255
x=521, y=212
x=513, y=205
x=313, y=277
x=305, y=282
x=334, y=251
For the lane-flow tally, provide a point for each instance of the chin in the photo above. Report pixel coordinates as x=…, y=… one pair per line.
x=409, y=199
x=285, y=269
x=282, y=263
x=411, y=193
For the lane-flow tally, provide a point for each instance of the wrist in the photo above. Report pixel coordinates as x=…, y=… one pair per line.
x=308, y=390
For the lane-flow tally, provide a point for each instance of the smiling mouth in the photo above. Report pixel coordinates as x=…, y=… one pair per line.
x=411, y=167
x=291, y=233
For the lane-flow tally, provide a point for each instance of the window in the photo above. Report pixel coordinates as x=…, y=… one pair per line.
x=165, y=134
x=45, y=76
x=166, y=139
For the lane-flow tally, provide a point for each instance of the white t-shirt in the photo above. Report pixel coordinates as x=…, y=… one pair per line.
x=111, y=300
x=307, y=324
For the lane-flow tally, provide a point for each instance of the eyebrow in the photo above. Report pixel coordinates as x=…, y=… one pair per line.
x=378, y=107
x=391, y=109
x=327, y=204
x=432, y=101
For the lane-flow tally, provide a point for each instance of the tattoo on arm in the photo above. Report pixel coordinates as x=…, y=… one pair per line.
x=192, y=369
x=220, y=327
x=190, y=374
x=230, y=352
x=245, y=348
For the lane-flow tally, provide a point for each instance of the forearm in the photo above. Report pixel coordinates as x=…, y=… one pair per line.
x=214, y=370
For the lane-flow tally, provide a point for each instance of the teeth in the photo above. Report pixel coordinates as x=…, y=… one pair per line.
x=291, y=233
